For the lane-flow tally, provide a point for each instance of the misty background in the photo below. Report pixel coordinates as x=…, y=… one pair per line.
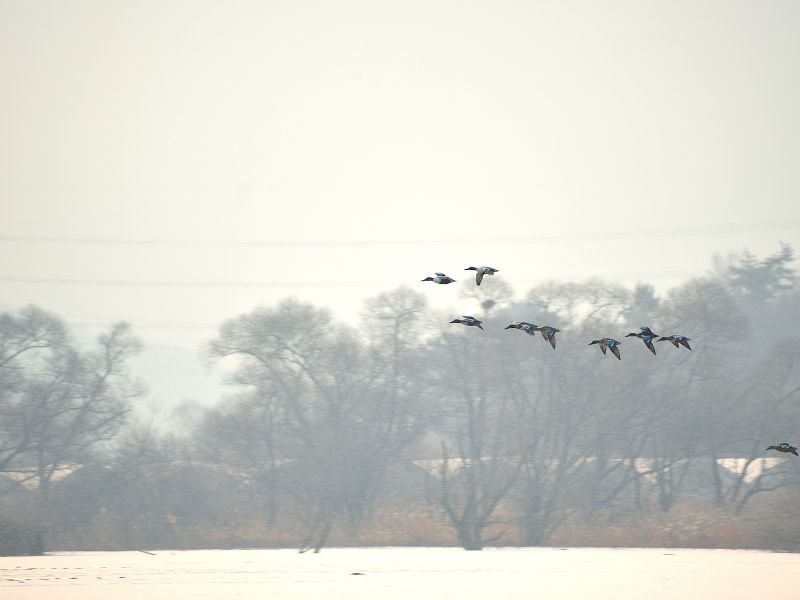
x=180, y=165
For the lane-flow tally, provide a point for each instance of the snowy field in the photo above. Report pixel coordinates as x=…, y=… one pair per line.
x=403, y=573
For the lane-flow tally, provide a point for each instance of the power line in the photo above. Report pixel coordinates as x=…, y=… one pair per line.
x=288, y=284
x=140, y=324
x=191, y=284
x=279, y=284
x=720, y=229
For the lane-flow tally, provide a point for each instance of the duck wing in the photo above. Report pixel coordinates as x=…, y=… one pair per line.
x=649, y=344
x=552, y=340
x=684, y=342
x=478, y=276
x=615, y=350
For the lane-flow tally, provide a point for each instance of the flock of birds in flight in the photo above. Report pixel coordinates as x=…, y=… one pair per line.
x=549, y=333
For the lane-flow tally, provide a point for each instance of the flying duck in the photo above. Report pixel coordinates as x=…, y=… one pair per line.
x=528, y=328
x=676, y=339
x=481, y=271
x=784, y=447
x=608, y=343
x=440, y=278
x=469, y=321
x=647, y=336
x=549, y=334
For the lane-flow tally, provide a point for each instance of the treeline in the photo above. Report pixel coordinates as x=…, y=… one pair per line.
x=410, y=430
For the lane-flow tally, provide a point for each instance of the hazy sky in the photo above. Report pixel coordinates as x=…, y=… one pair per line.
x=179, y=163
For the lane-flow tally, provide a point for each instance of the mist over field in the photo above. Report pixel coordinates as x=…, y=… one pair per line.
x=407, y=429
x=218, y=219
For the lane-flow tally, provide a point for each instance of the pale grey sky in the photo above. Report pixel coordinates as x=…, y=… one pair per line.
x=252, y=143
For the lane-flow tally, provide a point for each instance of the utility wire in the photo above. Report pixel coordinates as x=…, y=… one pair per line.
x=719, y=229
x=191, y=284
x=650, y=275
x=289, y=284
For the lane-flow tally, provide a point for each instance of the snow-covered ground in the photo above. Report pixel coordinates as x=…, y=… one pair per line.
x=403, y=573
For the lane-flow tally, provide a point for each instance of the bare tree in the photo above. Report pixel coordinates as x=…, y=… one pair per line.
x=58, y=403
x=338, y=409
x=481, y=409
x=25, y=342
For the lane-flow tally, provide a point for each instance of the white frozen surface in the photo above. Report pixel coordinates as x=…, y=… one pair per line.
x=403, y=573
